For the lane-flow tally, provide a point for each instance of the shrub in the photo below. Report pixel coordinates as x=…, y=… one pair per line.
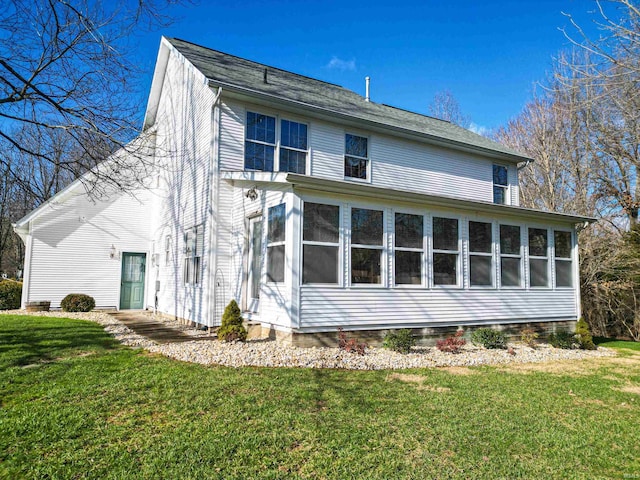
x=10, y=294
x=583, y=335
x=562, y=339
x=77, y=302
x=350, y=345
x=452, y=344
x=232, y=328
x=489, y=338
x=529, y=337
x=399, y=340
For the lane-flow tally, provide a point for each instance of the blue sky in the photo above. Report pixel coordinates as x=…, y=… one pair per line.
x=488, y=53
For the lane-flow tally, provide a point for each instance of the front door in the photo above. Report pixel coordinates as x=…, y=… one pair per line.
x=132, y=281
x=255, y=263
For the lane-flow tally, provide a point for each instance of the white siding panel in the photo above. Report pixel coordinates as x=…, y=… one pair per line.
x=232, y=120
x=327, y=147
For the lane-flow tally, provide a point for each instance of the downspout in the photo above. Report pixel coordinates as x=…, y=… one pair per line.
x=214, y=201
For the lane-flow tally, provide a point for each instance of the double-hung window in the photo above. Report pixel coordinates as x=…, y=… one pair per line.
x=500, y=184
x=538, y=258
x=562, y=250
x=194, y=246
x=480, y=254
x=293, y=147
x=260, y=142
x=356, y=157
x=510, y=256
x=167, y=250
x=446, y=251
x=320, y=243
x=409, y=248
x=366, y=245
x=276, y=237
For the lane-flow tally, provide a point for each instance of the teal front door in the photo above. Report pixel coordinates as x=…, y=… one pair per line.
x=132, y=281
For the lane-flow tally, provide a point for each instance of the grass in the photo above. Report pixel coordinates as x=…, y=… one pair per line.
x=74, y=404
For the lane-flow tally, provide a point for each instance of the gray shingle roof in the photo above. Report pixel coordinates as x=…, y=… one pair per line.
x=230, y=70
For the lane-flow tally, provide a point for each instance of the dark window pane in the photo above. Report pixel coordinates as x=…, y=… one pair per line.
x=366, y=226
x=258, y=156
x=445, y=233
x=480, y=271
x=321, y=223
x=537, y=242
x=445, y=266
x=276, y=232
x=293, y=134
x=261, y=127
x=292, y=161
x=499, y=195
x=408, y=268
x=562, y=242
x=365, y=265
x=500, y=175
x=355, y=145
x=319, y=264
x=509, y=240
x=355, y=167
x=275, y=263
x=538, y=273
x=564, y=273
x=409, y=230
x=510, y=272
x=480, y=237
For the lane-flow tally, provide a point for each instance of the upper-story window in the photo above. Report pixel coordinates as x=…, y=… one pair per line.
x=356, y=157
x=260, y=144
x=500, y=184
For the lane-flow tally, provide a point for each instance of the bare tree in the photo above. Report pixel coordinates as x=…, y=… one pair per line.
x=445, y=107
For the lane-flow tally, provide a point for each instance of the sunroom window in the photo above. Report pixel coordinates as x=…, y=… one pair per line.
x=480, y=254
x=409, y=248
x=500, y=184
x=510, y=256
x=356, y=157
x=276, y=236
x=538, y=258
x=563, y=264
x=260, y=142
x=293, y=147
x=320, y=243
x=366, y=245
x=446, y=250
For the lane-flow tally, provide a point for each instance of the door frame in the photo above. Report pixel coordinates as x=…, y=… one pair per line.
x=144, y=283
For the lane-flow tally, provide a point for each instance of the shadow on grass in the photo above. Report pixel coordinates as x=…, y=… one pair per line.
x=615, y=343
x=26, y=340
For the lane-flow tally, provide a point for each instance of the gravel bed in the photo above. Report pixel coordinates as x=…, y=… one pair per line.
x=269, y=353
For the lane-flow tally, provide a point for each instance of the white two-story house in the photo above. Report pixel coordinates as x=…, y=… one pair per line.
x=314, y=208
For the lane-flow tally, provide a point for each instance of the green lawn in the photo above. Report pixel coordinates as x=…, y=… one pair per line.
x=73, y=404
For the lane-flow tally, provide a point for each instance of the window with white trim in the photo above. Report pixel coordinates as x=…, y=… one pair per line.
x=446, y=251
x=293, y=147
x=194, y=246
x=167, y=250
x=538, y=257
x=564, y=266
x=260, y=142
x=480, y=254
x=366, y=245
x=356, y=157
x=409, y=248
x=510, y=256
x=320, y=243
x=500, y=184
x=276, y=237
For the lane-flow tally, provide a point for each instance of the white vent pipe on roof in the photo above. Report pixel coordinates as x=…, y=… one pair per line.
x=367, y=82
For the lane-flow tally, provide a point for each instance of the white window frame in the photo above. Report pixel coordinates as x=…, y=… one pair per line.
x=367, y=158
x=422, y=251
x=490, y=254
x=279, y=243
x=338, y=244
x=382, y=248
x=192, y=263
x=278, y=141
x=505, y=187
x=458, y=252
x=168, y=241
x=547, y=258
x=519, y=256
x=568, y=260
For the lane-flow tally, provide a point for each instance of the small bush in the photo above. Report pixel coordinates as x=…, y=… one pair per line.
x=583, y=335
x=10, y=294
x=489, y=338
x=452, y=344
x=350, y=345
x=399, y=340
x=232, y=328
x=562, y=339
x=529, y=337
x=77, y=302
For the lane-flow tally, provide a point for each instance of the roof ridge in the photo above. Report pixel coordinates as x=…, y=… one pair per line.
x=416, y=113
